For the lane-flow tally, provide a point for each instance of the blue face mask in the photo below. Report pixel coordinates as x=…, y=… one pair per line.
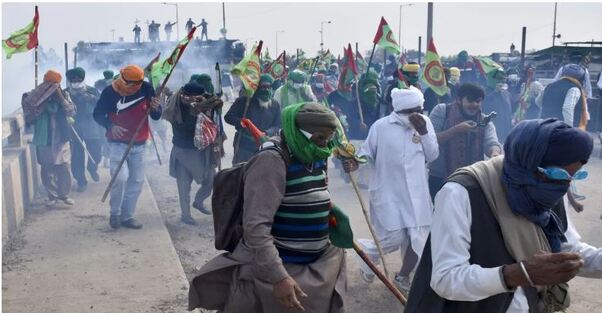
x=557, y=173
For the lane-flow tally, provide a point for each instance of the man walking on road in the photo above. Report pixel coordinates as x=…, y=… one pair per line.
x=400, y=146
x=120, y=109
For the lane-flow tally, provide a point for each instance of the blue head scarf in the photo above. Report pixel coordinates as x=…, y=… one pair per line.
x=537, y=143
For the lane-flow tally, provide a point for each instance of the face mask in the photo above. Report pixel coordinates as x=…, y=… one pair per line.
x=454, y=80
x=297, y=85
x=79, y=85
x=404, y=119
x=412, y=79
x=319, y=86
x=264, y=94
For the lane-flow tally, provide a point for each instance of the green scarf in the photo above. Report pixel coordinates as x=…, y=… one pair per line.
x=41, y=125
x=301, y=147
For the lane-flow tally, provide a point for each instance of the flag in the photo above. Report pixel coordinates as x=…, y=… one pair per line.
x=348, y=71
x=384, y=38
x=148, y=70
x=277, y=69
x=24, y=39
x=433, y=74
x=486, y=65
x=160, y=69
x=249, y=70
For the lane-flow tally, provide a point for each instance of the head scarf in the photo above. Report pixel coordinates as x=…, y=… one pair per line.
x=368, y=97
x=130, y=73
x=528, y=146
x=307, y=116
x=409, y=98
x=74, y=73
x=53, y=77
x=108, y=74
x=193, y=89
x=205, y=81
x=573, y=70
x=297, y=76
x=454, y=75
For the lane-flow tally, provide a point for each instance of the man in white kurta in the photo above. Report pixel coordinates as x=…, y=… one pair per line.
x=400, y=146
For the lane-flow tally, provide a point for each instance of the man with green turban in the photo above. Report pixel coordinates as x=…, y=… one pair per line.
x=263, y=111
x=84, y=97
x=205, y=81
x=295, y=90
x=101, y=84
x=286, y=261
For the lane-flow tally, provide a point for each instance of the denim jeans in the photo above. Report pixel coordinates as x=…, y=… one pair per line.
x=128, y=184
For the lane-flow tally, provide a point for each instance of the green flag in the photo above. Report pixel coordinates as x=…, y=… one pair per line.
x=24, y=39
x=339, y=228
x=384, y=38
x=433, y=74
x=160, y=69
x=249, y=70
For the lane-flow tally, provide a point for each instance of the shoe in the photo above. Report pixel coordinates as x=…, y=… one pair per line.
x=131, y=223
x=81, y=188
x=95, y=176
x=403, y=283
x=189, y=220
x=366, y=276
x=201, y=208
x=68, y=201
x=115, y=221
x=52, y=202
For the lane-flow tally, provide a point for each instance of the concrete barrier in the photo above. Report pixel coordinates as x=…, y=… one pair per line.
x=20, y=173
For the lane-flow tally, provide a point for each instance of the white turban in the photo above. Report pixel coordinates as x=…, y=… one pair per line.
x=406, y=98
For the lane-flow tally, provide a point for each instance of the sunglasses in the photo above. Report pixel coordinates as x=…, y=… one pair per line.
x=132, y=82
x=557, y=173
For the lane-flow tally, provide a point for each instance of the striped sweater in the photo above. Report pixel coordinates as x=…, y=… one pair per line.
x=300, y=226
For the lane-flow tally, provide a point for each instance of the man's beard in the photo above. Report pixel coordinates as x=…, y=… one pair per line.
x=264, y=104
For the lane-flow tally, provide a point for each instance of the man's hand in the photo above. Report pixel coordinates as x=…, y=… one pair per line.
x=495, y=151
x=349, y=165
x=207, y=105
x=118, y=131
x=466, y=126
x=287, y=291
x=155, y=103
x=419, y=123
x=544, y=269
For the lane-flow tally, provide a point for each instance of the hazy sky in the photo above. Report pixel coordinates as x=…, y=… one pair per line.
x=480, y=28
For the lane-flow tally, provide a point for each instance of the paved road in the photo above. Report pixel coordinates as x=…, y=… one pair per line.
x=194, y=244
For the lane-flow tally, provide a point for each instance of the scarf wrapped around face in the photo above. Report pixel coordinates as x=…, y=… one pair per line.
x=528, y=146
x=130, y=73
x=309, y=115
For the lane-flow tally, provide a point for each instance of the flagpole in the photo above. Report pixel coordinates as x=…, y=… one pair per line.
x=370, y=61
x=36, y=65
x=144, y=119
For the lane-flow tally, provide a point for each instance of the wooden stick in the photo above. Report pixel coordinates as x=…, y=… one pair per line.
x=359, y=105
x=380, y=275
x=141, y=123
x=370, y=227
x=81, y=142
x=152, y=137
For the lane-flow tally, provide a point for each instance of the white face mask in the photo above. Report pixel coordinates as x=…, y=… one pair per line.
x=79, y=85
x=404, y=119
x=264, y=104
x=297, y=85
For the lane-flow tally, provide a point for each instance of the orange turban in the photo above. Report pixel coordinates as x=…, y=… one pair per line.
x=129, y=81
x=53, y=77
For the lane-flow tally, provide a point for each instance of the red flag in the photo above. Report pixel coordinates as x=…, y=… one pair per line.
x=385, y=39
x=277, y=68
x=349, y=70
x=24, y=39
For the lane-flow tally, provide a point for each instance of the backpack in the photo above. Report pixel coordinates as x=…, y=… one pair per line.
x=228, y=198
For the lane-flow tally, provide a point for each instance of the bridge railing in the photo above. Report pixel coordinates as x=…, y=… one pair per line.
x=20, y=172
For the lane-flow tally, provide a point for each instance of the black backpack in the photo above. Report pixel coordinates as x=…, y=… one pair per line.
x=227, y=200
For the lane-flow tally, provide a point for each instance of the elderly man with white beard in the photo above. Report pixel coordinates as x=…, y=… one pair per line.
x=400, y=146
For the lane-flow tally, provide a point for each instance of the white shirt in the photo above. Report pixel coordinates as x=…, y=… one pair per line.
x=399, y=193
x=454, y=278
x=570, y=101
